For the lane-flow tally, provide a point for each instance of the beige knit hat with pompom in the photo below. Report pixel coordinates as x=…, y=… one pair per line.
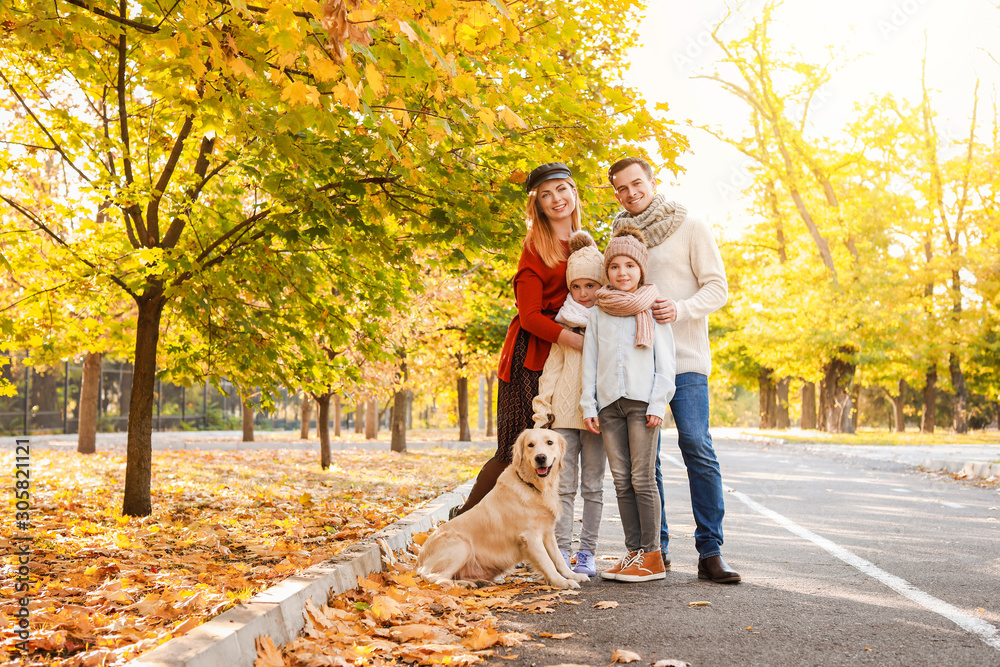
x=585, y=260
x=628, y=240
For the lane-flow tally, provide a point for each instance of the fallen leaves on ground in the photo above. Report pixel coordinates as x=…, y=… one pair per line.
x=606, y=604
x=425, y=624
x=621, y=655
x=700, y=603
x=225, y=525
x=671, y=663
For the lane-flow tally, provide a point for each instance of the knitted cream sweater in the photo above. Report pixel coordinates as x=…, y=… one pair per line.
x=559, y=390
x=687, y=267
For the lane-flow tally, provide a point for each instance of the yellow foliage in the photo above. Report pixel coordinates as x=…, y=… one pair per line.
x=512, y=120
x=374, y=78
x=300, y=92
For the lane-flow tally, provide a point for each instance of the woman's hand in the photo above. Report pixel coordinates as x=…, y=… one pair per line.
x=570, y=339
x=593, y=424
x=652, y=421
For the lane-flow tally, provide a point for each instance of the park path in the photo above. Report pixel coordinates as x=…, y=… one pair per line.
x=845, y=559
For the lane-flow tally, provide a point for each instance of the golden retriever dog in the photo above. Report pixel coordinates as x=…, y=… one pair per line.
x=513, y=523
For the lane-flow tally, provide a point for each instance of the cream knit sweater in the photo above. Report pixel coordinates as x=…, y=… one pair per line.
x=559, y=390
x=687, y=267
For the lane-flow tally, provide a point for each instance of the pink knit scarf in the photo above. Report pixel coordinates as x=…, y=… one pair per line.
x=638, y=303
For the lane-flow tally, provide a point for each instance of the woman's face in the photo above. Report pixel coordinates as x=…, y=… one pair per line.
x=557, y=199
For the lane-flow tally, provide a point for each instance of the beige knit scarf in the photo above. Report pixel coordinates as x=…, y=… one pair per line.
x=660, y=219
x=639, y=303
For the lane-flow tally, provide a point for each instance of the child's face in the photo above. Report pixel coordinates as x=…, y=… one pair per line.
x=624, y=273
x=584, y=291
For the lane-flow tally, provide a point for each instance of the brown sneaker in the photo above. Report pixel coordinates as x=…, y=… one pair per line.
x=612, y=572
x=644, y=567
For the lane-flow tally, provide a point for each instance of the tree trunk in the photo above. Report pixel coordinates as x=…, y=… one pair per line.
x=139, y=451
x=323, y=429
x=336, y=415
x=781, y=404
x=767, y=395
x=961, y=400
x=86, y=442
x=371, y=420
x=247, y=418
x=852, y=407
x=306, y=414
x=836, y=404
x=930, y=400
x=359, y=416
x=398, y=426
x=490, y=428
x=808, y=405
x=464, y=434
x=898, y=402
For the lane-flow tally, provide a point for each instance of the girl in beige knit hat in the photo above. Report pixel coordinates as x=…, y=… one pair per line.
x=557, y=406
x=628, y=381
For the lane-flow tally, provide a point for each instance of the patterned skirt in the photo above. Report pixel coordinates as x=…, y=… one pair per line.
x=514, y=398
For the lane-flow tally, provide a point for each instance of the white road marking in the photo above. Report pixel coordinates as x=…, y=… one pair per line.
x=901, y=490
x=955, y=505
x=977, y=626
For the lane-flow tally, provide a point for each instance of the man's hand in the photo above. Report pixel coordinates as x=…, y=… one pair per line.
x=664, y=310
x=652, y=421
x=593, y=424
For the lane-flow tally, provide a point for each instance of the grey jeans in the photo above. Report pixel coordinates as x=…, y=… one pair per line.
x=583, y=468
x=631, y=449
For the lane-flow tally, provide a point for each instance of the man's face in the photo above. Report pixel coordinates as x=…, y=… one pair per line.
x=633, y=189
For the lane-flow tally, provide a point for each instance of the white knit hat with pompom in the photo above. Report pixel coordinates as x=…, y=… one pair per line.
x=585, y=260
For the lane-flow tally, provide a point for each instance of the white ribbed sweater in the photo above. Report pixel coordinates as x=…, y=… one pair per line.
x=687, y=267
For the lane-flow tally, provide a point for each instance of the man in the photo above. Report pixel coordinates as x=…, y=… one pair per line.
x=686, y=267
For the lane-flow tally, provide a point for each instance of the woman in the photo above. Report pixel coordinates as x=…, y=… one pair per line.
x=552, y=214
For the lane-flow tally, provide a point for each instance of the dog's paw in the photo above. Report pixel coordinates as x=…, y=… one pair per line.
x=566, y=583
x=576, y=576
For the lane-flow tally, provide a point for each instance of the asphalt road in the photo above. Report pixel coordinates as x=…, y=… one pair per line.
x=844, y=561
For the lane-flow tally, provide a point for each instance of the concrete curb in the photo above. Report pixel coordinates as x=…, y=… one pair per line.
x=229, y=639
x=971, y=468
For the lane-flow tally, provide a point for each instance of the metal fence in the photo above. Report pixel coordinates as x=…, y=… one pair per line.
x=48, y=401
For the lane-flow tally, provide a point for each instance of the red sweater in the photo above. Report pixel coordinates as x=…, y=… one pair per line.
x=539, y=293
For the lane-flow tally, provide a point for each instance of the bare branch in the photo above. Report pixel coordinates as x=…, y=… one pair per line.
x=142, y=27
x=153, y=208
x=42, y=127
x=35, y=220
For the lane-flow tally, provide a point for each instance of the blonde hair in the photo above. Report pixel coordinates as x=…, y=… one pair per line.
x=540, y=235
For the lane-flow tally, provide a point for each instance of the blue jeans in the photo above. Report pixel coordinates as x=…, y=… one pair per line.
x=689, y=407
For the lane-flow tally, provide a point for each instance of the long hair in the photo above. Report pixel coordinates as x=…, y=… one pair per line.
x=540, y=235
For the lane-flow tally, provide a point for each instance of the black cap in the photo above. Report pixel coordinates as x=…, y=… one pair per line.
x=546, y=172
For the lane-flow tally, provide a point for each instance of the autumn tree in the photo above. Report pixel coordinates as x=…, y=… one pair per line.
x=209, y=133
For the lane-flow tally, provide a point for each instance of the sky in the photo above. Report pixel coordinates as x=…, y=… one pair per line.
x=882, y=42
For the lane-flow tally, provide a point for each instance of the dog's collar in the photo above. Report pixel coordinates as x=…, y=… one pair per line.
x=518, y=473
